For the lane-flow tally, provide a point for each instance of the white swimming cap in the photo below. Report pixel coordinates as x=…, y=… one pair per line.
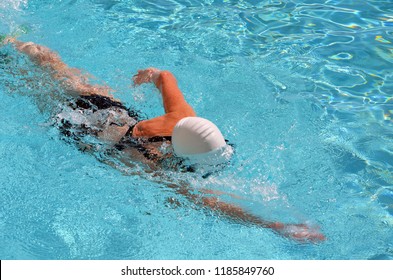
x=200, y=141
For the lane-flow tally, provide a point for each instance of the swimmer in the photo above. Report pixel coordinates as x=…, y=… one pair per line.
x=195, y=141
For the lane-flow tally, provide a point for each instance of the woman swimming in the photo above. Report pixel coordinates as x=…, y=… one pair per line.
x=92, y=111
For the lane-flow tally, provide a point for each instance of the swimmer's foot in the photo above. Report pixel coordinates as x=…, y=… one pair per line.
x=2, y=39
x=149, y=75
x=299, y=232
x=5, y=39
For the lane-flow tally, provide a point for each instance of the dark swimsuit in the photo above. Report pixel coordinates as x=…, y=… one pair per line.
x=94, y=103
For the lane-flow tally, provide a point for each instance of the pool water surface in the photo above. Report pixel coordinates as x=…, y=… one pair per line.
x=302, y=88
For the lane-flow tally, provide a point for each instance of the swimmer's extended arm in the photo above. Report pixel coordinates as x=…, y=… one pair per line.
x=298, y=232
x=175, y=105
x=71, y=79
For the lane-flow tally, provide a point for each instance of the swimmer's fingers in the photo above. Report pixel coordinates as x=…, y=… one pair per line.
x=148, y=75
x=300, y=232
x=143, y=76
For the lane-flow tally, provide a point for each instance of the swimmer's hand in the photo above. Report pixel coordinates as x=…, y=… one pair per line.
x=299, y=232
x=149, y=75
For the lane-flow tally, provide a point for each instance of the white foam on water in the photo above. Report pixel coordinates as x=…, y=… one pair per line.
x=13, y=4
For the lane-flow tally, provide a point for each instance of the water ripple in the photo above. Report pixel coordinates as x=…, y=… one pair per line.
x=315, y=80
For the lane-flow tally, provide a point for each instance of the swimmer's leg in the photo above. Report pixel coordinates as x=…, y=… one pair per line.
x=72, y=80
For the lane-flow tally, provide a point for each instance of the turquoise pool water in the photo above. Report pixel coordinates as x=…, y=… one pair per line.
x=303, y=88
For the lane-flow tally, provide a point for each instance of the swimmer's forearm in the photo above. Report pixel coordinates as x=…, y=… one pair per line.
x=172, y=96
x=235, y=212
x=299, y=232
x=166, y=83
